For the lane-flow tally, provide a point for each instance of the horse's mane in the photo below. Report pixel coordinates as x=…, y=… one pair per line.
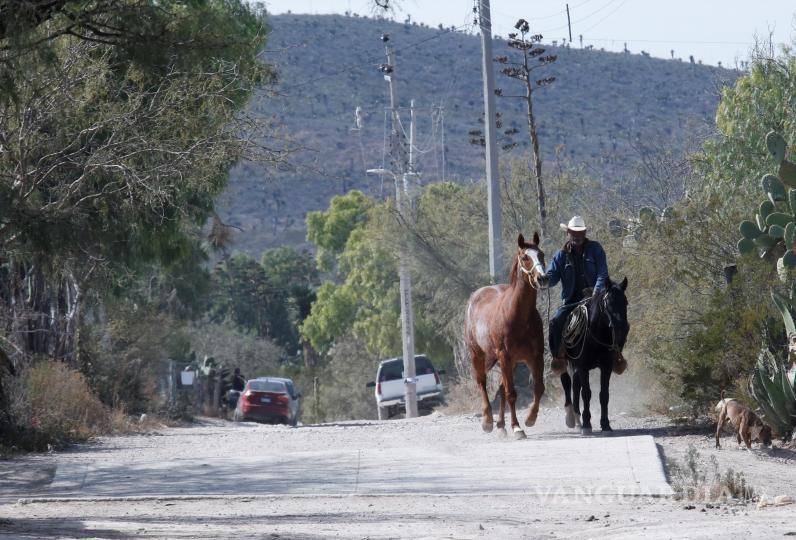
x=594, y=304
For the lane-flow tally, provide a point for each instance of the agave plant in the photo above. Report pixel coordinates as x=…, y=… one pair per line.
x=773, y=236
x=771, y=385
x=774, y=390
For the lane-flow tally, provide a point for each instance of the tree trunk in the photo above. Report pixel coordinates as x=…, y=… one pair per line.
x=537, y=166
x=44, y=315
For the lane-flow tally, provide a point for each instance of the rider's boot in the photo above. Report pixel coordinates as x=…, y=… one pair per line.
x=558, y=365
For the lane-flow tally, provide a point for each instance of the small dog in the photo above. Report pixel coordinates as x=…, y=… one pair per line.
x=746, y=423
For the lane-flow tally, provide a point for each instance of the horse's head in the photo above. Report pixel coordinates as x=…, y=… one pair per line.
x=530, y=262
x=615, y=307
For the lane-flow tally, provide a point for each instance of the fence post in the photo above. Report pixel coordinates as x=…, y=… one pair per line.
x=316, y=399
x=172, y=397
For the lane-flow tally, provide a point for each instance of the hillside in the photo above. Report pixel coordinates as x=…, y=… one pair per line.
x=599, y=106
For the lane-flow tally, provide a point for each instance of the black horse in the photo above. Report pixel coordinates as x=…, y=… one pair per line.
x=603, y=331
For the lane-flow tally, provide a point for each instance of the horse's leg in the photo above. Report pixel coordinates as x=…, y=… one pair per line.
x=566, y=382
x=537, y=372
x=507, y=369
x=605, y=379
x=479, y=372
x=576, y=397
x=583, y=376
x=501, y=423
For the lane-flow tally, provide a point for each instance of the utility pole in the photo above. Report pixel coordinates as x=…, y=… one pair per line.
x=442, y=123
x=402, y=202
x=490, y=119
x=569, y=25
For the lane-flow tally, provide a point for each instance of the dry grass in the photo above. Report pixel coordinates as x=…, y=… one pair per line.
x=692, y=482
x=57, y=400
x=52, y=406
x=463, y=397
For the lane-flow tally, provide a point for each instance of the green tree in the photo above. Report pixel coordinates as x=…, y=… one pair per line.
x=118, y=123
x=366, y=304
x=296, y=272
x=761, y=101
x=329, y=229
x=245, y=294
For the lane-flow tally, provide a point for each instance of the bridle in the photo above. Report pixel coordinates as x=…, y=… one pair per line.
x=529, y=272
x=607, y=310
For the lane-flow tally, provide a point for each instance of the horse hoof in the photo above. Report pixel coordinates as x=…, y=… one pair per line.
x=487, y=427
x=530, y=421
x=605, y=426
x=502, y=432
x=585, y=431
x=570, y=416
x=519, y=434
x=620, y=366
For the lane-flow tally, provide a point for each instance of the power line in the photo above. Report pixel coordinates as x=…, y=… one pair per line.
x=697, y=42
x=608, y=15
x=586, y=17
x=550, y=16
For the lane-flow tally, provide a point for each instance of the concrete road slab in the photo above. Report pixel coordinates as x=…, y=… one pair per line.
x=591, y=466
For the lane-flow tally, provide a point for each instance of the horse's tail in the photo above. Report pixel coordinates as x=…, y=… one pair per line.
x=721, y=402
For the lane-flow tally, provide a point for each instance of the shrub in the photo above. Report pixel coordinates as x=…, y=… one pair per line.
x=720, y=345
x=53, y=405
x=342, y=394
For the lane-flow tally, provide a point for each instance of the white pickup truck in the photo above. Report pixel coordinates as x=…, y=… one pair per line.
x=390, y=390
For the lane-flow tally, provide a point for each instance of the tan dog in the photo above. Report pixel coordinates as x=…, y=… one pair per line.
x=746, y=423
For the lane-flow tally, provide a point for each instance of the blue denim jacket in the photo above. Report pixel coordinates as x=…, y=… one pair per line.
x=595, y=270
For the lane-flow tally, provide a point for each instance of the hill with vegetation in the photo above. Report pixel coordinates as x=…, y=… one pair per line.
x=603, y=111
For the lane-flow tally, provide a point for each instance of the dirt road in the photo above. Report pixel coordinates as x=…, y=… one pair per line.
x=432, y=477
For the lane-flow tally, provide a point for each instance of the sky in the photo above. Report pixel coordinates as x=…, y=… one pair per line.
x=711, y=30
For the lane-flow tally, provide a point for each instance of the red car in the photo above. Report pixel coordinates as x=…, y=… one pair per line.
x=268, y=399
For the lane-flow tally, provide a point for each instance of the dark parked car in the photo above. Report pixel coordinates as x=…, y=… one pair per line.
x=268, y=399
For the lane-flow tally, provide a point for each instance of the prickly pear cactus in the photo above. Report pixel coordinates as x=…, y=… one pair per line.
x=773, y=231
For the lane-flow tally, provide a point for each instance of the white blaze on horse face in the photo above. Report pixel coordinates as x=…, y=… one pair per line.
x=534, y=255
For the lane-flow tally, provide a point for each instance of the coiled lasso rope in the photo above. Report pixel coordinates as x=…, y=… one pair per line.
x=577, y=329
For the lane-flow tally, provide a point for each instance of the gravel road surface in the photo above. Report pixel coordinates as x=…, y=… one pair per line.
x=437, y=476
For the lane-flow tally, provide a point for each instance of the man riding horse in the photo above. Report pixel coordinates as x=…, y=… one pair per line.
x=582, y=269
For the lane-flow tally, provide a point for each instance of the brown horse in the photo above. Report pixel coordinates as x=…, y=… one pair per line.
x=503, y=326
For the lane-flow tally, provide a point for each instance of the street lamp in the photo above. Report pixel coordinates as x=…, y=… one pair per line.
x=407, y=317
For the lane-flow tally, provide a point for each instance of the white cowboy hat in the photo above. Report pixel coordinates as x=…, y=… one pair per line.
x=575, y=224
